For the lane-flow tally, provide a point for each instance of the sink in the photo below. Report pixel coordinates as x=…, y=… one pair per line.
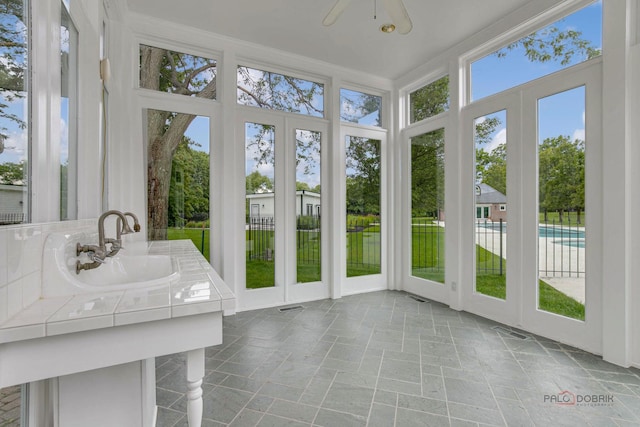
x=132, y=268
x=124, y=271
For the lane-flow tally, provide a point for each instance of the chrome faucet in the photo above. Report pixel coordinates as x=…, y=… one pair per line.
x=98, y=253
x=116, y=244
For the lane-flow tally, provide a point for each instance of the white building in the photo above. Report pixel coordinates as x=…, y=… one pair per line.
x=262, y=205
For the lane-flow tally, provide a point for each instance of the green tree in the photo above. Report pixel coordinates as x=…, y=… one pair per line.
x=12, y=173
x=302, y=186
x=561, y=175
x=363, y=176
x=430, y=100
x=189, y=194
x=13, y=66
x=551, y=43
x=491, y=168
x=427, y=169
x=258, y=183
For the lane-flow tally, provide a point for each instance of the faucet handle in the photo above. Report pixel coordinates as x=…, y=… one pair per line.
x=95, y=258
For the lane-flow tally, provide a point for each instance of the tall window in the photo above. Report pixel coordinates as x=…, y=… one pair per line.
x=14, y=111
x=363, y=206
x=427, y=206
x=260, y=162
x=68, y=115
x=308, y=193
x=178, y=185
x=561, y=203
x=490, y=195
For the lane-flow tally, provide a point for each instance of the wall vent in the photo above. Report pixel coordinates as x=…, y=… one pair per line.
x=290, y=308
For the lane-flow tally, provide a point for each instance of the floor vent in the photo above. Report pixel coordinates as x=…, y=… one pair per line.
x=503, y=330
x=413, y=297
x=290, y=308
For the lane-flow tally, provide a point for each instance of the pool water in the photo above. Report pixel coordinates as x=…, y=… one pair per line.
x=565, y=236
x=561, y=233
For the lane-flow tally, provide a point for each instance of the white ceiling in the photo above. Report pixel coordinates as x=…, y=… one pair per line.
x=354, y=41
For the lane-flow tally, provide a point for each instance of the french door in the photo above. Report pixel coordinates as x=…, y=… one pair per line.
x=532, y=207
x=283, y=225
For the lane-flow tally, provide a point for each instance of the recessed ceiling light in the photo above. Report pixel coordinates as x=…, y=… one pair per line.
x=388, y=28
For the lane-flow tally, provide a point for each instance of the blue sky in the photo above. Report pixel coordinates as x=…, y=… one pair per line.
x=561, y=114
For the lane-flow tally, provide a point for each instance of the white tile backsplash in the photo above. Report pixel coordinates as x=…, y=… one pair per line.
x=21, y=262
x=4, y=303
x=15, y=249
x=14, y=297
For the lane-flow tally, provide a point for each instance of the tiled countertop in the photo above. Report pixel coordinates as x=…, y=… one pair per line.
x=198, y=290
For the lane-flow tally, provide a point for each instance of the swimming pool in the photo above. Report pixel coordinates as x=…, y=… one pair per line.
x=560, y=235
x=560, y=232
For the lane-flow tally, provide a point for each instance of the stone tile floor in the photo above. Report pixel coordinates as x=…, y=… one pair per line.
x=10, y=398
x=385, y=359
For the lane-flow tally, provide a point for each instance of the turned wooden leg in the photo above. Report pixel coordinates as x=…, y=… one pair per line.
x=195, y=373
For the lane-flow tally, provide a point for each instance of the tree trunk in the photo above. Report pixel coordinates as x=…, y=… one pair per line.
x=159, y=180
x=578, y=215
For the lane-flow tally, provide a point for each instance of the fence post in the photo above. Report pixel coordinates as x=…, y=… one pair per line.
x=501, y=246
x=202, y=241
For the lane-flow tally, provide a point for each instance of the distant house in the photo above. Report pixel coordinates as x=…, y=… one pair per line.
x=490, y=203
x=262, y=205
x=11, y=203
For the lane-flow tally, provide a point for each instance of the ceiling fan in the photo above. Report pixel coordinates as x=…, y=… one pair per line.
x=395, y=9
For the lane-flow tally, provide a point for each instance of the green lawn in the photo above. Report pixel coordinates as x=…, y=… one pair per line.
x=193, y=234
x=363, y=258
x=427, y=251
x=550, y=298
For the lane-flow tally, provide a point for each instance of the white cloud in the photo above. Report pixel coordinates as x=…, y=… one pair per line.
x=64, y=140
x=498, y=138
x=578, y=134
x=15, y=147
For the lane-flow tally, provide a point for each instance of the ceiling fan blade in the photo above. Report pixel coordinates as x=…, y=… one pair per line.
x=399, y=15
x=335, y=12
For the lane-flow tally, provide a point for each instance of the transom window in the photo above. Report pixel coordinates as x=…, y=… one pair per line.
x=169, y=71
x=430, y=100
x=566, y=42
x=361, y=108
x=273, y=91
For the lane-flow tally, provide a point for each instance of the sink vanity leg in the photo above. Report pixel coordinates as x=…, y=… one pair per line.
x=195, y=373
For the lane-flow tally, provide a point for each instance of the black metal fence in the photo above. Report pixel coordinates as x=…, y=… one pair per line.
x=260, y=238
x=560, y=248
x=491, y=236
x=560, y=244
x=308, y=239
x=7, y=218
x=363, y=245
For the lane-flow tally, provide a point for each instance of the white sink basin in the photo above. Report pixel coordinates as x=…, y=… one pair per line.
x=132, y=268
x=124, y=271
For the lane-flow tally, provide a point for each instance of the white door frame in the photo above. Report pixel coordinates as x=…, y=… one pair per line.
x=425, y=288
x=520, y=308
x=285, y=289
